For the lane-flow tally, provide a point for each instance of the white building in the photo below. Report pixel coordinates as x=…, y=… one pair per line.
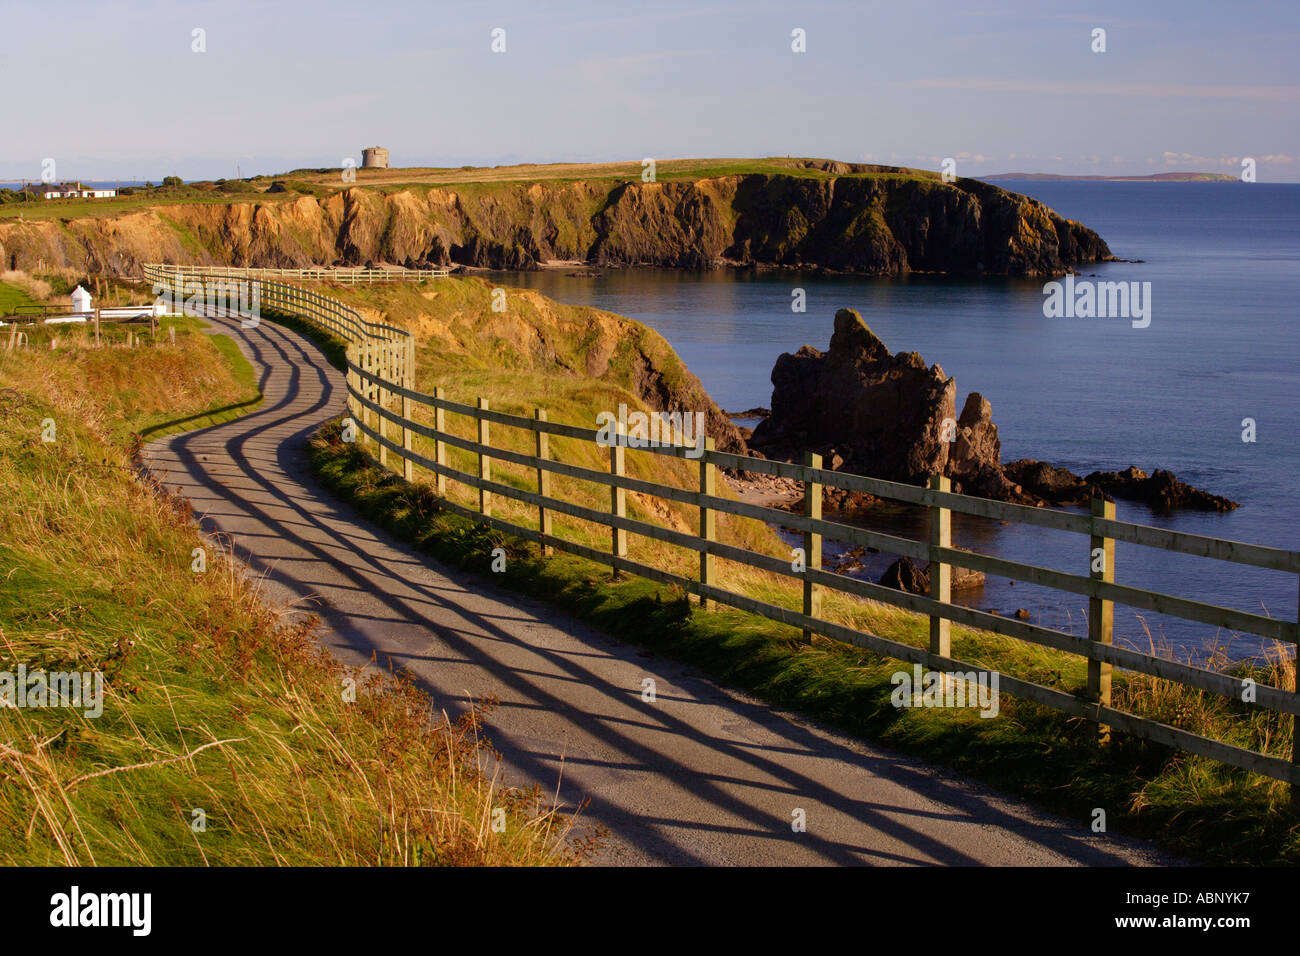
x=75, y=191
x=80, y=300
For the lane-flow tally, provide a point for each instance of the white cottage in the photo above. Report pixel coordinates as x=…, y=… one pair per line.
x=75, y=191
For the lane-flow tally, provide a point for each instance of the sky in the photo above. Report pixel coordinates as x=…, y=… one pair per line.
x=997, y=87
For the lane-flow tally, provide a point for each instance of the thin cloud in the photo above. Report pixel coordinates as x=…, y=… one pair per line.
x=1159, y=90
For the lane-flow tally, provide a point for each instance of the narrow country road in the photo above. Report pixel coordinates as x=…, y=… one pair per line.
x=704, y=775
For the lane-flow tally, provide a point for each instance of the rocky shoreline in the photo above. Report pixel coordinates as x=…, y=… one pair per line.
x=887, y=415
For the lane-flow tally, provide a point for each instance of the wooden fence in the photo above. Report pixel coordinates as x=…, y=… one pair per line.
x=380, y=373
x=344, y=275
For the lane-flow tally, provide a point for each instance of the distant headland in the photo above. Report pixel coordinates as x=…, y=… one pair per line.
x=1153, y=178
x=772, y=213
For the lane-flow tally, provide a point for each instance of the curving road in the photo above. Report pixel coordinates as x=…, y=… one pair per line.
x=704, y=775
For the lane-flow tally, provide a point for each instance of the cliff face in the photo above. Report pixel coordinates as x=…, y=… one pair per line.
x=874, y=225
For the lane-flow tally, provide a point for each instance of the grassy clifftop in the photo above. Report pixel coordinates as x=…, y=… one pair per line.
x=875, y=220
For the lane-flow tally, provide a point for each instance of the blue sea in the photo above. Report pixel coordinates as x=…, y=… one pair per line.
x=1222, y=346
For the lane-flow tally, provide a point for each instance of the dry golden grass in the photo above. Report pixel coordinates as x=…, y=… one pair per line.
x=31, y=286
x=213, y=701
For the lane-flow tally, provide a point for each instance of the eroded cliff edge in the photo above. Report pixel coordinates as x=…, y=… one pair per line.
x=865, y=223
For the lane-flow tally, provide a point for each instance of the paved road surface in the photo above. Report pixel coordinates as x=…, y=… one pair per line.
x=704, y=775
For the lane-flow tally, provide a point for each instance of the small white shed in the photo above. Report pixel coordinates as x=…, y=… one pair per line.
x=80, y=300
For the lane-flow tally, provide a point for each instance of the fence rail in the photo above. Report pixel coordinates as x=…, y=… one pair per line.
x=346, y=275
x=380, y=371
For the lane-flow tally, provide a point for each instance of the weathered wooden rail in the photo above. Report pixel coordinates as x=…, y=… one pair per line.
x=346, y=275
x=380, y=366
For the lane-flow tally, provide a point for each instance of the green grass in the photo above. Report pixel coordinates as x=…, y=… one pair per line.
x=665, y=170
x=12, y=297
x=211, y=701
x=104, y=208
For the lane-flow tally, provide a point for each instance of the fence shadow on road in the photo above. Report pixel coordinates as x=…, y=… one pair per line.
x=378, y=597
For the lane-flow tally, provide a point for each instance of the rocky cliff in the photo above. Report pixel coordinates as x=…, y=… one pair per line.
x=887, y=415
x=871, y=412
x=870, y=223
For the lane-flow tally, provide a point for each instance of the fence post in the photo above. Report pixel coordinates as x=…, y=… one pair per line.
x=1295, y=734
x=439, y=446
x=382, y=357
x=350, y=377
x=542, y=451
x=708, y=517
x=484, y=462
x=1101, y=613
x=812, y=542
x=617, y=496
x=364, y=384
x=408, y=466
x=357, y=410
x=940, y=571
x=372, y=386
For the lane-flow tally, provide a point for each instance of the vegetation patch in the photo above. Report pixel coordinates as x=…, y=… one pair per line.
x=225, y=737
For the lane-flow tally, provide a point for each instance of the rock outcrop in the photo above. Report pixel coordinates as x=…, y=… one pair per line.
x=1161, y=490
x=871, y=412
x=904, y=575
x=887, y=415
x=852, y=220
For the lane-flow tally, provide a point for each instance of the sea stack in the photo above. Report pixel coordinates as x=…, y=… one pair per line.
x=887, y=415
x=877, y=413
